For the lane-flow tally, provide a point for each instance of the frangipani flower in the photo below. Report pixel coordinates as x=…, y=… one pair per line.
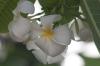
x=50, y=43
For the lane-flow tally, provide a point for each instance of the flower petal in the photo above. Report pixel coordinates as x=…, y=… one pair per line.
x=40, y=55
x=50, y=47
x=56, y=59
x=73, y=60
x=62, y=35
x=85, y=34
x=90, y=51
x=19, y=29
x=48, y=20
x=45, y=59
x=26, y=7
x=36, y=30
x=31, y=45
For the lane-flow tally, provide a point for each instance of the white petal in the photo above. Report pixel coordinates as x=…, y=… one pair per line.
x=48, y=20
x=91, y=51
x=26, y=7
x=19, y=29
x=31, y=45
x=41, y=56
x=36, y=30
x=45, y=59
x=73, y=60
x=16, y=10
x=75, y=47
x=85, y=34
x=56, y=59
x=49, y=47
x=62, y=35
x=15, y=38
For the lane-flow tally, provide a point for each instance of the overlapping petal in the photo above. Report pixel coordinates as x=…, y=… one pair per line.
x=19, y=29
x=35, y=30
x=42, y=56
x=30, y=45
x=62, y=35
x=48, y=20
x=45, y=59
x=56, y=59
x=24, y=6
x=50, y=47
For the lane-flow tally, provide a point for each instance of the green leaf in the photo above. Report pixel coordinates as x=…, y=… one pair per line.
x=71, y=7
x=91, y=9
x=49, y=5
x=6, y=15
x=63, y=7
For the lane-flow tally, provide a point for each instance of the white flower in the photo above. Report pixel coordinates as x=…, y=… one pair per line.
x=24, y=6
x=50, y=44
x=19, y=29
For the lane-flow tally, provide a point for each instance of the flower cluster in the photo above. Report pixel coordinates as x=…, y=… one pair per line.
x=48, y=44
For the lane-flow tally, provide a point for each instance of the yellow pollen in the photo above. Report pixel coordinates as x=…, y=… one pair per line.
x=47, y=33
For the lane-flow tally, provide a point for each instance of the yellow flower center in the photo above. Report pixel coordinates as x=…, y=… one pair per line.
x=47, y=32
